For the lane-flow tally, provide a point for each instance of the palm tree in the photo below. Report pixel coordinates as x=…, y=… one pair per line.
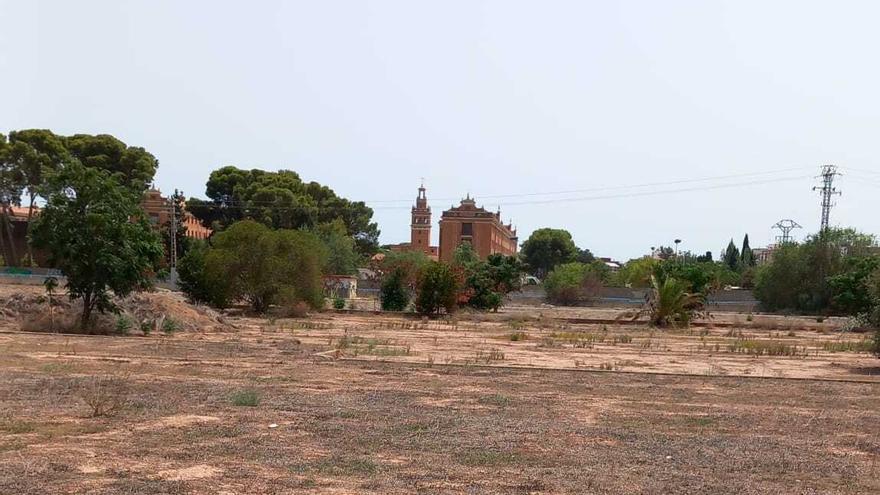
x=670, y=304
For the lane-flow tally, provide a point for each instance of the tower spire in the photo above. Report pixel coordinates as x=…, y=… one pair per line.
x=420, y=227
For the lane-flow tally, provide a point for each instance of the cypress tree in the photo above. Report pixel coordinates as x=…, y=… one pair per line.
x=731, y=256
x=747, y=258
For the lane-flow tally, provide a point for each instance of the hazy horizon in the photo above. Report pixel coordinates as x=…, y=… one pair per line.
x=615, y=109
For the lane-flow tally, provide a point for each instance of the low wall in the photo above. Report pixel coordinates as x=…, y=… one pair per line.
x=728, y=300
x=28, y=276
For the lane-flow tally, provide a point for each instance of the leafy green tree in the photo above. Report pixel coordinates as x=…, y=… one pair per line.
x=36, y=153
x=705, y=258
x=342, y=259
x=393, y=292
x=563, y=284
x=410, y=263
x=700, y=277
x=572, y=283
x=801, y=277
x=281, y=200
x=731, y=256
x=196, y=282
x=850, y=289
x=873, y=284
x=133, y=166
x=637, y=272
x=486, y=283
x=302, y=257
x=438, y=289
x=781, y=284
x=546, y=248
x=95, y=233
x=585, y=256
x=265, y=267
x=465, y=256
x=12, y=184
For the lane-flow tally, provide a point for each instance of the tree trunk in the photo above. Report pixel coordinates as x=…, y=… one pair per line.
x=30, y=216
x=85, y=320
x=7, y=224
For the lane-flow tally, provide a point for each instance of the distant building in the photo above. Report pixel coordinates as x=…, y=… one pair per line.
x=158, y=210
x=156, y=207
x=763, y=255
x=18, y=248
x=482, y=229
x=612, y=265
x=461, y=224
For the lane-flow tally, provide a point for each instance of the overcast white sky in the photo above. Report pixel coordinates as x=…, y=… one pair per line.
x=490, y=98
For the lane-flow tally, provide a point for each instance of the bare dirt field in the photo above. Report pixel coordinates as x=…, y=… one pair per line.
x=528, y=401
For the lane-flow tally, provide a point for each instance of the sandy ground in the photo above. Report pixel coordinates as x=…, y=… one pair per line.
x=359, y=403
x=812, y=350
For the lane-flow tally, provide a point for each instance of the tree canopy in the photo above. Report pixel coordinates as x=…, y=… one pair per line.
x=31, y=157
x=133, y=166
x=731, y=256
x=438, y=288
x=546, y=248
x=484, y=284
x=822, y=274
x=572, y=283
x=281, y=200
x=263, y=266
x=97, y=235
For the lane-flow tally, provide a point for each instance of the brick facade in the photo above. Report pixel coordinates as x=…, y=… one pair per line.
x=484, y=230
x=158, y=210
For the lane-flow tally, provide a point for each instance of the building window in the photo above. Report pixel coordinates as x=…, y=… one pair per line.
x=467, y=229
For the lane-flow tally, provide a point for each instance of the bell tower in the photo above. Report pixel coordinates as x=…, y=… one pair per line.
x=420, y=239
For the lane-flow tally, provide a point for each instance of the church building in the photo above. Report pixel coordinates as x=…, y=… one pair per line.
x=466, y=223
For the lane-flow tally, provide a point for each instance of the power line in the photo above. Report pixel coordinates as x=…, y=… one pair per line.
x=865, y=179
x=655, y=193
x=614, y=188
x=247, y=205
x=872, y=172
x=268, y=205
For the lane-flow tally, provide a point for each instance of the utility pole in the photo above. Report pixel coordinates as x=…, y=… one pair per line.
x=827, y=191
x=785, y=226
x=173, y=274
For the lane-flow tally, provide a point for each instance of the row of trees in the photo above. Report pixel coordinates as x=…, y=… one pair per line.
x=281, y=200
x=833, y=272
x=433, y=287
x=276, y=235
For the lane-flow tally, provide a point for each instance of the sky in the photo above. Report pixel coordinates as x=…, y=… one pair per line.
x=692, y=120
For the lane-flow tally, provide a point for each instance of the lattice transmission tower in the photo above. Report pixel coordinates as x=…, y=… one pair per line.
x=785, y=226
x=827, y=191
